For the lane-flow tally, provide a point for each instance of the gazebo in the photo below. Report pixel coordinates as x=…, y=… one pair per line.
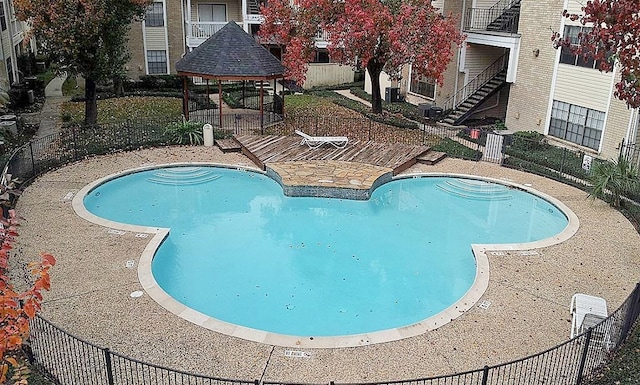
x=230, y=54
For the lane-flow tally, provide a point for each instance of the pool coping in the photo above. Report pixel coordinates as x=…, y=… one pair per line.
x=466, y=302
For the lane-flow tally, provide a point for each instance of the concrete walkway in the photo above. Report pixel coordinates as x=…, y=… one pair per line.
x=348, y=94
x=50, y=121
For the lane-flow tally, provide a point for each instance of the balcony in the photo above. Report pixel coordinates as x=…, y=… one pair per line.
x=199, y=31
x=502, y=17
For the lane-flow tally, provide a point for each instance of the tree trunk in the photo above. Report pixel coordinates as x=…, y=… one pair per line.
x=374, y=68
x=91, y=102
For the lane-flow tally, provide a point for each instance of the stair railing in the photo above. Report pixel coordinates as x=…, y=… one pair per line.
x=481, y=18
x=473, y=85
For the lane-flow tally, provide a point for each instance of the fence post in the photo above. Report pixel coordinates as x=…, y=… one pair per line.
x=485, y=375
x=564, y=157
x=369, y=135
x=75, y=142
x=315, y=133
x=33, y=161
x=583, y=359
x=632, y=313
x=107, y=360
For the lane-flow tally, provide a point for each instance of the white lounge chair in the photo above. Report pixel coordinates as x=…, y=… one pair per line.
x=317, y=141
x=587, y=311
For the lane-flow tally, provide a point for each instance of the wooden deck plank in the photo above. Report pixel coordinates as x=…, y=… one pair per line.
x=272, y=149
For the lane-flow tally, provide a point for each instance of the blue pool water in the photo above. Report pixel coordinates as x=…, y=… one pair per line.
x=241, y=252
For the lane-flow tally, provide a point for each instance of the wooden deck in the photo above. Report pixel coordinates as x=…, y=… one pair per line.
x=274, y=149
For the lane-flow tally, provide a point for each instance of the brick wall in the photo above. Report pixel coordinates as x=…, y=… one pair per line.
x=175, y=33
x=136, y=68
x=529, y=95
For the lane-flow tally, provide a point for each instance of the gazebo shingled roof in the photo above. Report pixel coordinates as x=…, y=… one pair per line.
x=230, y=54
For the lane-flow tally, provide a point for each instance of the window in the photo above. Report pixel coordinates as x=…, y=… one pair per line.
x=212, y=13
x=157, y=61
x=154, y=16
x=423, y=86
x=321, y=56
x=567, y=57
x=3, y=19
x=576, y=124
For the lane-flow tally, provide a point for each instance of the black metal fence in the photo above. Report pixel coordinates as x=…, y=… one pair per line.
x=71, y=360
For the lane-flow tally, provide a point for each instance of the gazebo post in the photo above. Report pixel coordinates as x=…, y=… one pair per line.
x=283, y=95
x=185, y=98
x=261, y=108
x=220, y=100
x=244, y=97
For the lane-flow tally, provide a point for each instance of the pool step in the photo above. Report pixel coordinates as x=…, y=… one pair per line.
x=184, y=176
x=474, y=189
x=431, y=157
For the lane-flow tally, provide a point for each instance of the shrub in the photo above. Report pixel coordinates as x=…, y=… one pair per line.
x=612, y=179
x=185, y=132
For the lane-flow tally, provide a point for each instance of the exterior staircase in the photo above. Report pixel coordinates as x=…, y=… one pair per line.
x=508, y=19
x=474, y=93
x=253, y=7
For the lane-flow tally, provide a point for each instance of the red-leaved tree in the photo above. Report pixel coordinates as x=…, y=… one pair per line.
x=17, y=308
x=379, y=35
x=614, y=39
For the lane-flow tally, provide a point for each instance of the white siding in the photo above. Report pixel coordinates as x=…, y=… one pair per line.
x=155, y=38
x=484, y=3
x=479, y=57
x=584, y=87
x=575, y=6
x=327, y=74
x=438, y=4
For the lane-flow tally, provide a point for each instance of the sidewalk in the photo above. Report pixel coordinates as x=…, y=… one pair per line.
x=348, y=94
x=50, y=121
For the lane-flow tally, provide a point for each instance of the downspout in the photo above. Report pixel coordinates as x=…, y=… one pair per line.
x=189, y=26
x=220, y=100
x=184, y=32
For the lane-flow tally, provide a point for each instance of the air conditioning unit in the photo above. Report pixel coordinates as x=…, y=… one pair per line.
x=435, y=112
x=423, y=109
x=391, y=94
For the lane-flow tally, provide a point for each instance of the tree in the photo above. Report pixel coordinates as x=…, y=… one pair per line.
x=87, y=37
x=17, y=308
x=613, y=38
x=379, y=35
x=610, y=180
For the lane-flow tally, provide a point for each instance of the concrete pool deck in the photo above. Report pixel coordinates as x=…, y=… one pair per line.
x=529, y=292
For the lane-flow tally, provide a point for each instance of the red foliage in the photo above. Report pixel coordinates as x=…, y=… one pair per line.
x=377, y=35
x=16, y=309
x=613, y=40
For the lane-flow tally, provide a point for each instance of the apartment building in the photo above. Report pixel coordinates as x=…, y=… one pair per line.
x=508, y=69
x=171, y=28
x=12, y=37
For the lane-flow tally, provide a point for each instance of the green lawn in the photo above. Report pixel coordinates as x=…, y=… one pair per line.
x=127, y=108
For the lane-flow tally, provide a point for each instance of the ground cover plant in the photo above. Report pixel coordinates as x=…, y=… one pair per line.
x=127, y=108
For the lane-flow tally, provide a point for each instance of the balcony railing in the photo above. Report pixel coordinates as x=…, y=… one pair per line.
x=501, y=17
x=203, y=30
x=499, y=65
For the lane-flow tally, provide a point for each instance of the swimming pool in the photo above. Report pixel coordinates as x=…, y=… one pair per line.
x=241, y=252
